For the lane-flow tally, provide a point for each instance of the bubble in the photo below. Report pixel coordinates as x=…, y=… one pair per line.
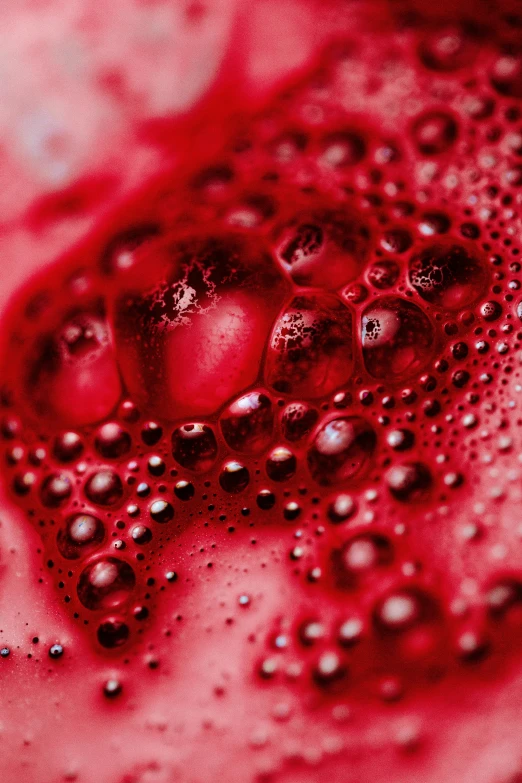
x=361, y=557
x=265, y=499
x=355, y=293
x=291, y=510
x=184, y=490
x=156, y=466
x=513, y=176
x=506, y=76
x=396, y=240
x=434, y=132
x=491, y=310
x=73, y=376
x=112, y=633
x=253, y=210
x=288, y=146
x=350, y=632
x=161, y=511
x=151, y=433
x=383, y=274
x=298, y=420
x=460, y=378
x=433, y=223
x=56, y=490
x=504, y=596
x=329, y=669
x=447, y=50
x=479, y=107
x=67, y=446
x=194, y=446
x=322, y=249
x=191, y=331
x=15, y=455
x=310, y=352
x=127, y=411
x=24, y=482
x=387, y=153
x=431, y=407
x=400, y=439
x=11, y=428
x=342, y=508
x=281, y=464
x=397, y=338
x=472, y=648
x=82, y=534
x=248, y=422
x=408, y=482
x=453, y=480
x=214, y=179
x=234, y=477
x=310, y=632
x=343, y=148
x=470, y=230
x=112, y=441
x=403, y=609
x=141, y=534
x=341, y=450
x=105, y=584
x=342, y=400
x=447, y=276
x=104, y=488
x=268, y=668
x=123, y=250
x=143, y=489
x=112, y=688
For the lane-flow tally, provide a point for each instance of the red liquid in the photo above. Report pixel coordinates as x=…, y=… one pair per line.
x=260, y=426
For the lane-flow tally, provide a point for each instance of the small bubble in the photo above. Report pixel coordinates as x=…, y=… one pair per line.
x=56, y=490
x=281, y=464
x=67, y=447
x=342, y=508
x=161, y=511
x=408, y=482
x=234, y=477
x=112, y=633
x=112, y=688
x=112, y=441
x=266, y=499
x=104, y=488
x=184, y=490
x=434, y=132
x=341, y=450
x=141, y=534
x=194, y=446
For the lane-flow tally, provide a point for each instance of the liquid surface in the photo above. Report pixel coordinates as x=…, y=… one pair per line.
x=260, y=428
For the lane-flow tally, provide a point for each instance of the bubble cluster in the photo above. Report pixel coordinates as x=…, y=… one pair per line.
x=309, y=346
